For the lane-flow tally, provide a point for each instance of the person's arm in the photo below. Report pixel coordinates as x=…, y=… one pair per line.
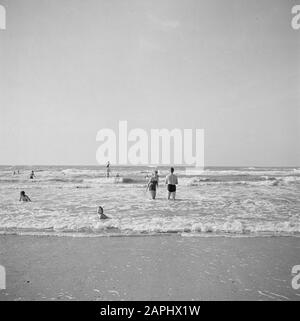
x=148, y=184
x=28, y=199
x=176, y=182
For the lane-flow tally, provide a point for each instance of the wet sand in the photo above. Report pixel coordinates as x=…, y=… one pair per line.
x=149, y=268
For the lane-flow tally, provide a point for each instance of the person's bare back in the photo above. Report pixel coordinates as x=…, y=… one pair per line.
x=24, y=197
x=171, y=181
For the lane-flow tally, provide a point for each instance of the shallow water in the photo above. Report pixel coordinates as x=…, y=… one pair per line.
x=217, y=201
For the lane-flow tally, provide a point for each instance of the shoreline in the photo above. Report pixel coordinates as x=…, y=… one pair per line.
x=151, y=234
x=126, y=268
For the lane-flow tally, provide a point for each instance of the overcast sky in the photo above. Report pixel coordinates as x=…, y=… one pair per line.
x=69, y=68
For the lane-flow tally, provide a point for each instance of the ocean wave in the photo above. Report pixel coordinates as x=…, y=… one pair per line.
x=41, y=180
x=65, y=203
x=117, y=180
x=82, y=172
x=132, y=175
x=64, y=180
x=157, y=227
x=263, y=180
x=184, y=181
x=251, y=172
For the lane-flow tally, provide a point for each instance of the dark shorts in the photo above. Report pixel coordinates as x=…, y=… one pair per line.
x=171, y=188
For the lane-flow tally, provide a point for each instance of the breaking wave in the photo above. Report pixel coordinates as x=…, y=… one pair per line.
x=240, y=201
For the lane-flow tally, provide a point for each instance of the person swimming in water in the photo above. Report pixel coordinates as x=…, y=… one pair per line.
x=101, y=214
x=24, y=197
x=32, y=175
x=153, y=184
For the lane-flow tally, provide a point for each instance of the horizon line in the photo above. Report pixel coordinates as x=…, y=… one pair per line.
x=145, y=165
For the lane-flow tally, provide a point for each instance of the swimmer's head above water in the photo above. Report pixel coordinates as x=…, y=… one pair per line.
x=24, y=197
x=101, y=214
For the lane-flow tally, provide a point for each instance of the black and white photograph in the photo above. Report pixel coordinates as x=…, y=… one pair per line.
x=149, y=151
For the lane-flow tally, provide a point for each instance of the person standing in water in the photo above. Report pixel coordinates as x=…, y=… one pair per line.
x=153, y=184
x=171, y=181
x=24, y=197
x=32, y=175
x=107, y=169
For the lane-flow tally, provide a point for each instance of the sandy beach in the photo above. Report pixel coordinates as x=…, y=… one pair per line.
x=149, y=268
x=149, y=153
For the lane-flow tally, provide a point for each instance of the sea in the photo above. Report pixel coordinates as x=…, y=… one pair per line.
x=217, y=201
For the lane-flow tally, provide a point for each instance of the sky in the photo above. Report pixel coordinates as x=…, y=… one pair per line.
x=70, y=68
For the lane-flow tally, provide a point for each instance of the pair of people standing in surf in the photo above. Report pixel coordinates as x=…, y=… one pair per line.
x=171, y=181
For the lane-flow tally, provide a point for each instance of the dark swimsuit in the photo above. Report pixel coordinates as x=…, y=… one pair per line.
x=171, y=188
x=153, y=184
